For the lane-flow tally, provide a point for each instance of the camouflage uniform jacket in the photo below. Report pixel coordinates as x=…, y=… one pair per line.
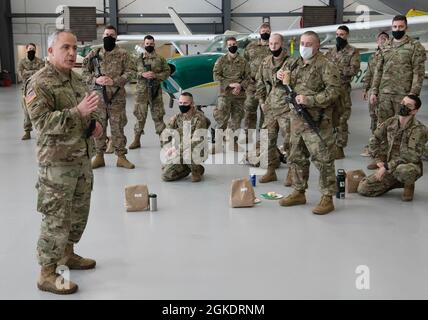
x=318, y=80
x=401, y=68
x=270, y=90
x=26, y=67
x=51, y=100
x=197, y=121
x=348, y=62
x=228, y=70
x=371, y=66
x=157, y=64
x=116, y=64
x=255, y=53
x=399, y=145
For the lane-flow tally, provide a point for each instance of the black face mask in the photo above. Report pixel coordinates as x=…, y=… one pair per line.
x=233, y=49
x=404, y=111
x=184, y=108
x=276, y=53
x=341, y=43
x=265, y=36
x=109, y=43
x=149, y=49
x=398, y=34
x=31, y=55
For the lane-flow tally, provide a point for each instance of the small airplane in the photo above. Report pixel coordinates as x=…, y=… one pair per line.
x=193, y=73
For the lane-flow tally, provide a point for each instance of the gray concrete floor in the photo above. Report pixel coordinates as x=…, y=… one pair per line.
x=196, y=247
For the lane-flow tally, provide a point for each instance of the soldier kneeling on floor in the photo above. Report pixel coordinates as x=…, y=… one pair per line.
x=398, y=146
x=190, y=126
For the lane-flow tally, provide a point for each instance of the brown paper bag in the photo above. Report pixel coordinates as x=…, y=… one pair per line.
x=353, y=179
x=242, y=194
x=136, y=198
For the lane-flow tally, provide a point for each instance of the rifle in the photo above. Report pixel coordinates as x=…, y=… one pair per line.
x=149, y=84
x=103, y=89
x=300, y=109
x=90, y=129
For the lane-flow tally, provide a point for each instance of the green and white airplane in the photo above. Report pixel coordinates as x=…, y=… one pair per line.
x=194, y=73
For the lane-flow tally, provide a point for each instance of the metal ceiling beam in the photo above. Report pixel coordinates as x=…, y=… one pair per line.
x=226, y=9
x=187, y=15
x=339, y=5
x=113, y=13
x=206, y=28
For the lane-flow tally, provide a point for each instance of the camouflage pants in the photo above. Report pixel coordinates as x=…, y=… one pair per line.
x=116, y=115
x=342, y=130
x=251, y=105
x=27, y=122
x=274, y=123
x=373, y=117
x=64, y=195
x=157, y=111
x=389, y=105
x=403, y=174
x=174, y=172
x=304, y=144
x=229, y=112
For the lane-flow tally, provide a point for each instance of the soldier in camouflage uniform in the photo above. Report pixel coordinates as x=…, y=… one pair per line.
x=399, y=72
x=26, y=68
x=116, y=70
x=271, y=93
x=197, y=120
x=254, y=53
x=233, y=73
x=368, y=81
x=347, y=59
x=62, y=113
x=316, y=81
x=152, y=69
x=398, y=144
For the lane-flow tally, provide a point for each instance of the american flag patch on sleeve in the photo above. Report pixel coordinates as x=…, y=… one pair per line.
x=30, y=97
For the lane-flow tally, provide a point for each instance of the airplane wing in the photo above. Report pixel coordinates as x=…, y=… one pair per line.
x=178, y=22
x=168, y=38
x=361, y=31
x=184, y=36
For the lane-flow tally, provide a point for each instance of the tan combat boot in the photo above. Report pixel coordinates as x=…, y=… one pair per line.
x=136, y=143
x=51, y=282
x=294, y=199
x=197, y=174
x=325, y=206
x=269, y=176
x=98, y=162
x=409, y=190
x=339, y=153
x=110, y=148
x=288, y=182
x=75, y=262
x=26, y=136
x=123, y=162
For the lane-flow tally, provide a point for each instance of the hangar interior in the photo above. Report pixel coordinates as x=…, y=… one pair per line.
x=195, y=246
